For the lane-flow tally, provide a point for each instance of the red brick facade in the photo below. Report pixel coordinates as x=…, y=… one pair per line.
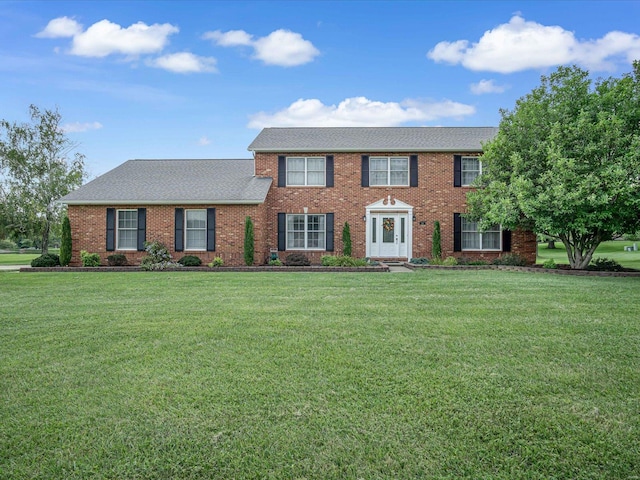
x=435, y=198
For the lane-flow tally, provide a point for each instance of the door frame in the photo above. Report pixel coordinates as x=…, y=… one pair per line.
x=388, y=206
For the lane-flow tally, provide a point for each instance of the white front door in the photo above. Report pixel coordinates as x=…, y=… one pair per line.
x=388, y=235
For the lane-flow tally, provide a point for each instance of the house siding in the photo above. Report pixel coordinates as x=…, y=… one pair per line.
x=88, y=227
x=435, y=198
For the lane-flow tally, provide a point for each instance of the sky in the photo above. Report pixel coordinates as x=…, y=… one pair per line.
x=200, y=79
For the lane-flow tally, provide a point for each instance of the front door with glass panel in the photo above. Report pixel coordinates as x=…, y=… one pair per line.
x=388, y=238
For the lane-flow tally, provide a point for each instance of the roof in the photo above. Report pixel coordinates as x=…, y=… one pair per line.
x=174, y=182
x=373, y=139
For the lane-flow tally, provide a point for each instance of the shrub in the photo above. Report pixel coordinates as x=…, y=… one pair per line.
x=46, y=260
x=346, y=240
x=89, y=259
x=7, y=245
x=549, y=263
x=450, y=261
x=420, y=261
x=297, y=260
x=248, y=241
x=216, y=262
x=604, y=265
x=436, y=247
x=511, y=259
x=632, y=237
x=157, y=258
x=65, y=242
x=190, y=261
x=275, y=262
x=116, y=260
x=342, y=261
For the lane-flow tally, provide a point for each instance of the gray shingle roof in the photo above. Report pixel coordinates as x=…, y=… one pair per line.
x=174, y=182
x=373, y=139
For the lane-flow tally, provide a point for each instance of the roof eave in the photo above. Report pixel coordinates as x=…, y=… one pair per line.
x=161, y=202
x=357, y=150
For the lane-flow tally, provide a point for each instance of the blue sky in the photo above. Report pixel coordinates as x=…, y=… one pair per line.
x=163, y=79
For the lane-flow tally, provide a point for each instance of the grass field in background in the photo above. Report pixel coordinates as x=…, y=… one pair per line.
x=15, y=258
x=432, y=374
x=613, y=249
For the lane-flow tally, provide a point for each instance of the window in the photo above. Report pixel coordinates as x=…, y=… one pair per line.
x=389, y=171
x=306, y=232
x=306, y=171
x=472, y=239
x=127, y=235
x=196, y=230
x=471, y=167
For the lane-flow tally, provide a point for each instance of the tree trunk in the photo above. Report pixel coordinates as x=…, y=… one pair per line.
x=45, y=237
x=551, y=245
x=580, y=250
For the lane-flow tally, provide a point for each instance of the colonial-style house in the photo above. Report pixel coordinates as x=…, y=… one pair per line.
x=302, y=185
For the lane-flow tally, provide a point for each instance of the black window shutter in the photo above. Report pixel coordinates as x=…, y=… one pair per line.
x=111, y=229
x=329, y=225
x=457, y=170
x=506, y=240
x=457, y=232
x=211, y=229
x=329, y=171
x=142, y=228
x=413, y=171
x=282, y=171
x=179, y=230
x=282, y=232
x=365, y=170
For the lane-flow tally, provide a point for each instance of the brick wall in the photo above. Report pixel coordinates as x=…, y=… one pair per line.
x=435, y=198
x=88, y=231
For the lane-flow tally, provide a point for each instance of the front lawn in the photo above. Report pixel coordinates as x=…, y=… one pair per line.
x=432, y=374
x=613, y=249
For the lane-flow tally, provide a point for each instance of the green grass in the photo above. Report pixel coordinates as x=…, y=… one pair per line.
x=613, y=250
x=22, y=258
x=432, y=374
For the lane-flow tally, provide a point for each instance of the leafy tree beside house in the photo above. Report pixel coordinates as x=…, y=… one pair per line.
x=566, y=162
x=436, y=246
x=248, y=241
x=37, y=168
x=65, y=242
x=346, y=240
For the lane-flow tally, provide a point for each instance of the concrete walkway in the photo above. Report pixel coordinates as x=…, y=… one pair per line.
x=12, y=268
x=399, y=269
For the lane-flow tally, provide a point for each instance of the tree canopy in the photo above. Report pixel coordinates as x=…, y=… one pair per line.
x=566, y=162
x=35, y=171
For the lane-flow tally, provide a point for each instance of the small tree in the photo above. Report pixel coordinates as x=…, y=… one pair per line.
x=65, y=243
x=248, y=241
x=346, y=240
x=436, y=247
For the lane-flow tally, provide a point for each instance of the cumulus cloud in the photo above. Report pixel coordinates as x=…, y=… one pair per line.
x=106, y=38
x=62, y=27
x=184, y=62
x=204, y=141
x=522, y=45
x=80, y=127
x=281, y=47
x=486, y=86
x=358, y=112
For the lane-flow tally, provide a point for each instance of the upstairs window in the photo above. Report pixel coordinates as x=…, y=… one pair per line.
x=471, y=167
x=389, y=171
x=306, y=171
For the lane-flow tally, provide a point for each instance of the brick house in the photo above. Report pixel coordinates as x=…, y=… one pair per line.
x=303, y=184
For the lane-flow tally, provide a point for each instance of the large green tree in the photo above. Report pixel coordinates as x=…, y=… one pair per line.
x=37, y=167
x=566, y=162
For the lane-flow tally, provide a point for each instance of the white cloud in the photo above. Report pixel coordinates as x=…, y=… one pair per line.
x=184, y=62
x=204, y=141
x=522, y=45
x=61, y=27
x=281, y=47
x=486, y=86
x=106, y=38
x=358, y=112
x=80, y=127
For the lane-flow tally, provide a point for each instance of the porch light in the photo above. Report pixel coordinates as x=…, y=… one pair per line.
x=364, y=218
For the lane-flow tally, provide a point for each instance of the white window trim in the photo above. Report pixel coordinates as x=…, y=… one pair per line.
x=186, y=214
x=118, y=229
x=306, y=232
x=481, y=249
x=462, y=170
x=389, y=184
x=306, y=172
